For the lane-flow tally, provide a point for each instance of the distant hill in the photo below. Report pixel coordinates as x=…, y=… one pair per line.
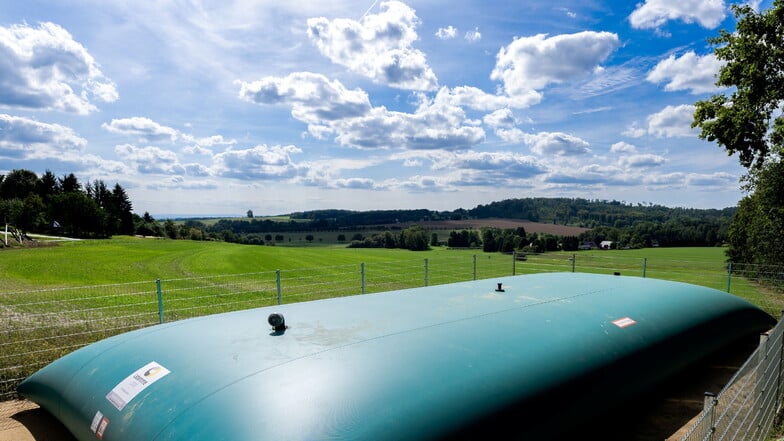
x=575, y=212
x=625, y=225
x=528, y=226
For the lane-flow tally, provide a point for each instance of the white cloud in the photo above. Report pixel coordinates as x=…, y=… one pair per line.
x=672, y=122
x=504, y=165
x=529, y=64
x=260, y=162
x=512, y=136
x=180, y=183
x=654, y=13
x=477, y=99
x=589, y=175
x=500, y=118
x=665, y=180
x=623, y=147
x=641, y=160
x=431, y=127
x=420, y=184
x=353, y=183
x=150, y=159
x=569, y=13
x=717, y=179
x=209, y=141
x=142, y=127
x=635, y=131
x=557, y=144
x=687, y=72
x=24, y=138
x=330, y=109
x=447, y=33
x=473, y=36
x=44, y=68
x=378, y=46
x=313, y=97
x=701, y=181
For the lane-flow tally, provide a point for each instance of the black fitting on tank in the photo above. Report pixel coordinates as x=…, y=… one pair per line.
x=500, y=287
x=277, y=321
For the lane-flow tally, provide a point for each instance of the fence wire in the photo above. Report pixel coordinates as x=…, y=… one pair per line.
x=747, y=406
x=43, y=325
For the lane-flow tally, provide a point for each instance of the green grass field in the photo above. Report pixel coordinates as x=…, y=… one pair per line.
x=130, y=259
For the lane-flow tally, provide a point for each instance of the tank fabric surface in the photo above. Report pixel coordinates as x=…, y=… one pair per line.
x=522, y=355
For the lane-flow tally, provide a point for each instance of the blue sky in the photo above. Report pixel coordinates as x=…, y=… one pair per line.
x=201, y=107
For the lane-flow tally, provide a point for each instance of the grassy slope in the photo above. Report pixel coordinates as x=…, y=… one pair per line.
x=128, y=259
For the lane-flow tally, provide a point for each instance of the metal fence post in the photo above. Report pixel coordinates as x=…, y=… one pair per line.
x=362, y=277
x=760, y=391
x=514, y=259
x=474, y=266
x=729, y=276
x=644, y=266
x=574, y=259
x=777, y=402
x=426, y=272
x=277, y=281
x=160, y=300
x=709, y=407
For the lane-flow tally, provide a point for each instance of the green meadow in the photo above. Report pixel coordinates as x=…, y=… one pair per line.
x=131, y=259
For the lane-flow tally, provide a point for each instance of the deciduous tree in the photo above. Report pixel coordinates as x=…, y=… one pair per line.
x=747, y=120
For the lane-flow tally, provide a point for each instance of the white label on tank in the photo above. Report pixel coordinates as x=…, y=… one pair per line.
x=96, y=421
x=135, y=383
x=623, y=322
x=102, y=427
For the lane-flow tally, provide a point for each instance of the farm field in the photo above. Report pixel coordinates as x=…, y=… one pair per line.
x=441, y=228
x=132, y=259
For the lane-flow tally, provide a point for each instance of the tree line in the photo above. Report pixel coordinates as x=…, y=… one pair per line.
x=63, y=206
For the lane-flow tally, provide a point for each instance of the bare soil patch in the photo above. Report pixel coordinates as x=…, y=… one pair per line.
x=22, y=420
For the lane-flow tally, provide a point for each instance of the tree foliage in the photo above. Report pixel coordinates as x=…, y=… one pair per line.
x=748, y=121
x=756, y=234
x=414, y=238
x=62, y=206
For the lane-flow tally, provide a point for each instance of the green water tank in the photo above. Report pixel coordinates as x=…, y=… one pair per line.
x=527, y=356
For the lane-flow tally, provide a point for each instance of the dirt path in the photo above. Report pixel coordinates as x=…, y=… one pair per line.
x=22, y=420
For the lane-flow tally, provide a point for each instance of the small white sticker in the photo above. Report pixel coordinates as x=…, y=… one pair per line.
x=102, y=427
x=135, y=383
x=623, y=322
x=96, y=421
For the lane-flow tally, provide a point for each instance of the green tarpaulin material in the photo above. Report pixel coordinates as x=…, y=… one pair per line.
x=526, y=355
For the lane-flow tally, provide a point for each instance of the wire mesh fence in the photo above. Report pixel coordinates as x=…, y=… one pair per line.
x=41, y=326
x=749, y=403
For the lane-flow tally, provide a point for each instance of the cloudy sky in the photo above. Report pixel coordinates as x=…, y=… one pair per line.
x=215, y=107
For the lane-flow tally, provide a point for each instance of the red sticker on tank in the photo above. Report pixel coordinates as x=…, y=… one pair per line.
x=623, y=322
x=102, y=427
